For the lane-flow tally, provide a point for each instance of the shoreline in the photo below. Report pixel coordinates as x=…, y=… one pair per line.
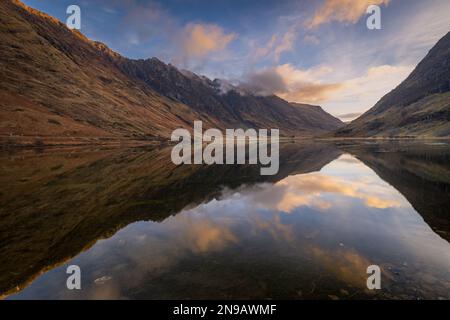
x=39, y=142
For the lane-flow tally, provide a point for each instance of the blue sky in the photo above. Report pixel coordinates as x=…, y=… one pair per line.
x=316, y=51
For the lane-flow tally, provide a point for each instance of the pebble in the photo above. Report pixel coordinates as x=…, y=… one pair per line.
x=344, y=292
x=102, y=280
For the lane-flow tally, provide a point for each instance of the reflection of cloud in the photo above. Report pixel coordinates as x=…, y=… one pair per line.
x=348, y=265
x=349, y=116
x=306, y=190
x=111, y=291
x=310, y=190
x=274, y=226
x=346, y=11
x=150, y=254
x=203, y=235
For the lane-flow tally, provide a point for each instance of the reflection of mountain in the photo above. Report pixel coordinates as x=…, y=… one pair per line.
x=420, y=106
x=420, y=173
x=60, y=202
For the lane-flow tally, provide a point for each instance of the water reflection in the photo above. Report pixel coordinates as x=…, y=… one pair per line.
x=224, y=232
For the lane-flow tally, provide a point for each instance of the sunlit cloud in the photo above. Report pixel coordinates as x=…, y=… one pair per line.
x=345, y=11
x=305, y=85
x=200, y=40
x=310, y=92
x=368, y=88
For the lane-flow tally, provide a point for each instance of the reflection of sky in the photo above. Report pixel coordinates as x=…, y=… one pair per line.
x=324, y=228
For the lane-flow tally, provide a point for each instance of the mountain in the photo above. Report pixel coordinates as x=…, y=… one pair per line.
x=318, y=116
x=232, y=105
x=418, y=107
x=57, y=85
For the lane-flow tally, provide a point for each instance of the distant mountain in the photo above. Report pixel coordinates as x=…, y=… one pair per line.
x=57, y=85
x=232, y=105
x=418, y=107
x=315, y=114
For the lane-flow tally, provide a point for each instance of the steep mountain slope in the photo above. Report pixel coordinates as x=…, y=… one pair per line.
x=315, y=114
x=418, y=107
x=57, y=83
x=233, y=106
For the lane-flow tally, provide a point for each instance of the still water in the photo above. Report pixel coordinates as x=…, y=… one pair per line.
x=141, y=228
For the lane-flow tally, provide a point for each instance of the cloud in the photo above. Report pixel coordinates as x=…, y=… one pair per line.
x=290, y=83
x=276, y=46
x=306, y=85
x=265, y=82
x=149, y=29
x=314, y=86
x=368, y=88
x=264, y=51
x=419, y=32
x=200, y=40
x=346, y=11
x=285, y=44
x=310, y=92
x=311, y=39
x=140, y=20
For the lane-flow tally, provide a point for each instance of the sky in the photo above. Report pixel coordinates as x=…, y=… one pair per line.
x=308, y=51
